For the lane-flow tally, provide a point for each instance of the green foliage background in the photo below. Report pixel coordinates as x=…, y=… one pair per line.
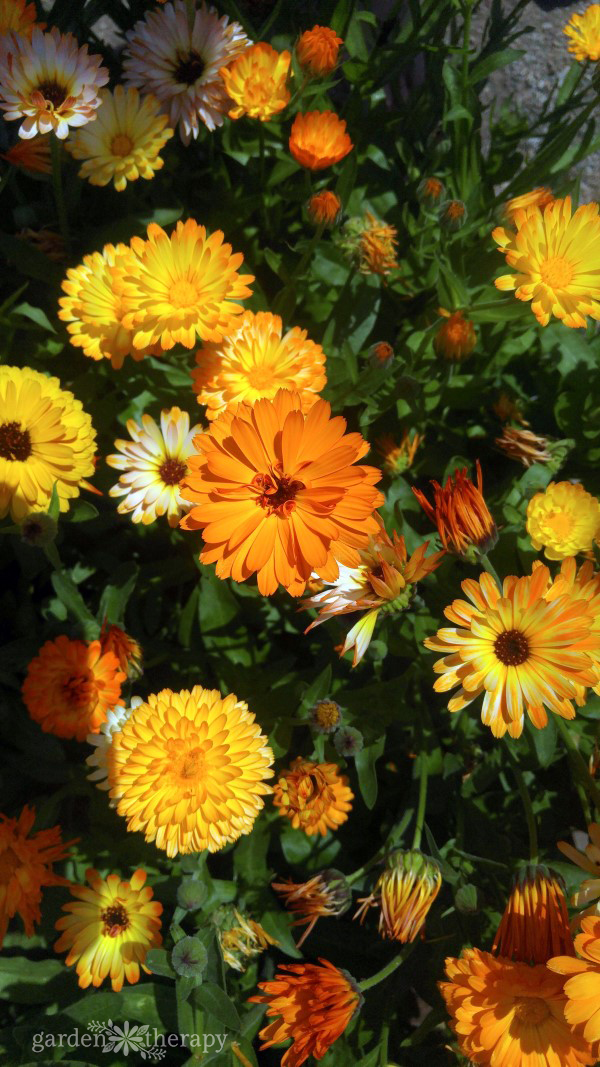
x=410, y=93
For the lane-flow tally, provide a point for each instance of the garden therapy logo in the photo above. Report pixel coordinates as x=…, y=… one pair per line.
x=128, y=1039
x=144, y=1041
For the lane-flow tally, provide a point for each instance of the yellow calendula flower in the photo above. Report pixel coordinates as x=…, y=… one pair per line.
x=109, y=929
x=536, y=198
x=257, y=82
x=554, y=256
x=46, y=439
x=404, y=893
x=588, y=859
x=563, y=520
x=582, y=985
x=191, y=770
x=124, y=142
x=398, y=457
x=254, y=361
x=583, y=32
x=315, y=797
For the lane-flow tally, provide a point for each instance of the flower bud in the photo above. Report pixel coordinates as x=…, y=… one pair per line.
x=191, y=894
x=453, y=214
x=39, y=529
x=348, y=741
x=189, y=957
x=324, y=208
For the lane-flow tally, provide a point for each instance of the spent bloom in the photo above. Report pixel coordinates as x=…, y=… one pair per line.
x=583, y=32
x=582, y=985
x=564, y=519
x=109, y=928
x=124, y=142
x=326, y=894
x=370, y=244
x=456, y=337
x=315, y=797
x=324, y=208
x=460, y=513
x=241, y=939
x=554, y=256
x=255, y=360
x=535, y=923
x=26, y=860
x=404, y=893
x=398, y=457
x=536, y=198
x=317, y=50
x=325, y=716
x=524, y=446
x=154, y=463
x=319, y=139
x=256, y=82
x=49, y=82
x=178, y=56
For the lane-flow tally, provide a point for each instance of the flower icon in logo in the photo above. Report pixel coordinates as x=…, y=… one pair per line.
x=127, y=1039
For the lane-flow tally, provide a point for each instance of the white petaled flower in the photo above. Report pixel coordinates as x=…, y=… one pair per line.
x=103, y=741
x=154, y=463
x=50, y=82
x=178, y=60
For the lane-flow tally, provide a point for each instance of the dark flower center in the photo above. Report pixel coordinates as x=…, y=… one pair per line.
x=511, y=648
x=115, y=920
x=15, y=443
x=277, y=493
x=172, y=471
x=189, y=68
x=78, y=690
x=53, y=93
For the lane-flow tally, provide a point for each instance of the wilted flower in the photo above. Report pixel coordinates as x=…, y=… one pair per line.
x=326, y=894
x=460, y=513
x=535, y=923
x=319, y=139
x=315, y=797
x=124, y=647
x=456, y=337
x=563, y=520
x=524, y=446
x=370, y=244
x=256, y=82
x=325, y=716
x=317, y=50
x=404, y=893
x=240, y=938
x=324, y=208
x=398, y=457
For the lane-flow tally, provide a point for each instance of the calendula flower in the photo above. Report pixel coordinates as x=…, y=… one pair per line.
x=536, y=198
x=18, y=16
x=524, y=446
x=324, y=208
x=325, y=716
x=109, y=929
x=315, y=797
x=404, y=893
x=310, y=1003
x=505, y=1012
x=453, y=214
x=154, y=463
x=582, y=986
x=535, y=923
x=430, y=191
x=328, y=893
x=190, y=770
x=384, y=582
x=107, y=741
x=182, y=288
x=506, y=408
x=278, y=493
x=589, y=861
x=456, y=337
x=49, y=82
x=460, y=513
x=26, y=860
x=583, y=32
x=256, y=82
x=555, y=257
x=319, y=139
x=563, y=520
x=46, y=440
x=124, y=647
x=31, y=155
x=255, y=360
x=240, y=938
x=523, y=651
x=124, y=142
x=397, y=458
x=70, y=687
x=177, y=55
x=581, y=583
x=381, y=355
x=317, y=50
x=370, y=244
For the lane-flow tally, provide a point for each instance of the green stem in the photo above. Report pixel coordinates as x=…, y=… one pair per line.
x=582, y=774
x=56, y=149
x=354, y=877
x=489, y=567
x=337, y=303
x=422, y=802
x=527, y=806
x=385, y=972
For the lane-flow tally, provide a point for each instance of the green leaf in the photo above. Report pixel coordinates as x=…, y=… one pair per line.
x=217, y=605
x=36, y=315
x=69, y=595
x=367, y=775
x=25, y=981
x=83, y=511
x=212, y=998
x=157, y=960
x=116, y=595
x=544, y=741
x=495, y=61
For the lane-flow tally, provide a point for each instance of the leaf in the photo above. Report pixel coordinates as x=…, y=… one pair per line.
x=69, y=595
x=36, y=315
x=212, y=998
x=365, y=767
x=157, y=960
x=321, y=687
x=29, y=260
x=495, y=61
x=217, y=605
x=26, y=981
x=544, y=741
x=116, y=595
x=83, y=511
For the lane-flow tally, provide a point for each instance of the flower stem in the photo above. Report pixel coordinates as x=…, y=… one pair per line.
x=422, y=804
x=489, y=567
x=585, y=782
x=239, y=1055
x=56, y=149
x=527, y=806
x=385, y=972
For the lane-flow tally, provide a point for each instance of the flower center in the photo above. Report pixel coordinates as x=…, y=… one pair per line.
x=121, y=145
x=560, y=523
x=15, y=443
x=53, y=93
x=260, y=377
x=557, y=272
x=191, y=764
x=511, y=648
x=183, y=294
x=78, y=690
x=172, y=471
x=531, y=1010
x=189, y=68
x=115, y=920
x=277, y=492
x=327, y=713
x=9, y=862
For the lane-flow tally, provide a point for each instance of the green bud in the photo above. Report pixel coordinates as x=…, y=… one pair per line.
x=39, y=529
x=189, y=958
x=191, y=894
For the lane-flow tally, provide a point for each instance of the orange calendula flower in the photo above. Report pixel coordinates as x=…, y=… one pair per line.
x=125, y=648
x=524, y=446
x=581, y=582
x=453, y=214
x=583, y=32
x=26, y=868
x=256, y=82
x=18, y=16
x=404, y=893
x=510, y=1013
x=70, y=686
x=430, y=191
x=328, y=893
x=563, y=520
x=31, y=155
x=255, y=360
x=536, y=198
x=535, y=923
x=319, y=139
x=315, y=797
x=310, y=1003
x=525, y=652
x=582, y=986
x=554, y=256
x=381, y=354
x=183, y=287
x=279, y=494
x=456, y=337
x=398, y=457
x=324, y=208
x=189, y=769
x=589, y=861
x=109, y=929
x=460, y=513
x=317, y=50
